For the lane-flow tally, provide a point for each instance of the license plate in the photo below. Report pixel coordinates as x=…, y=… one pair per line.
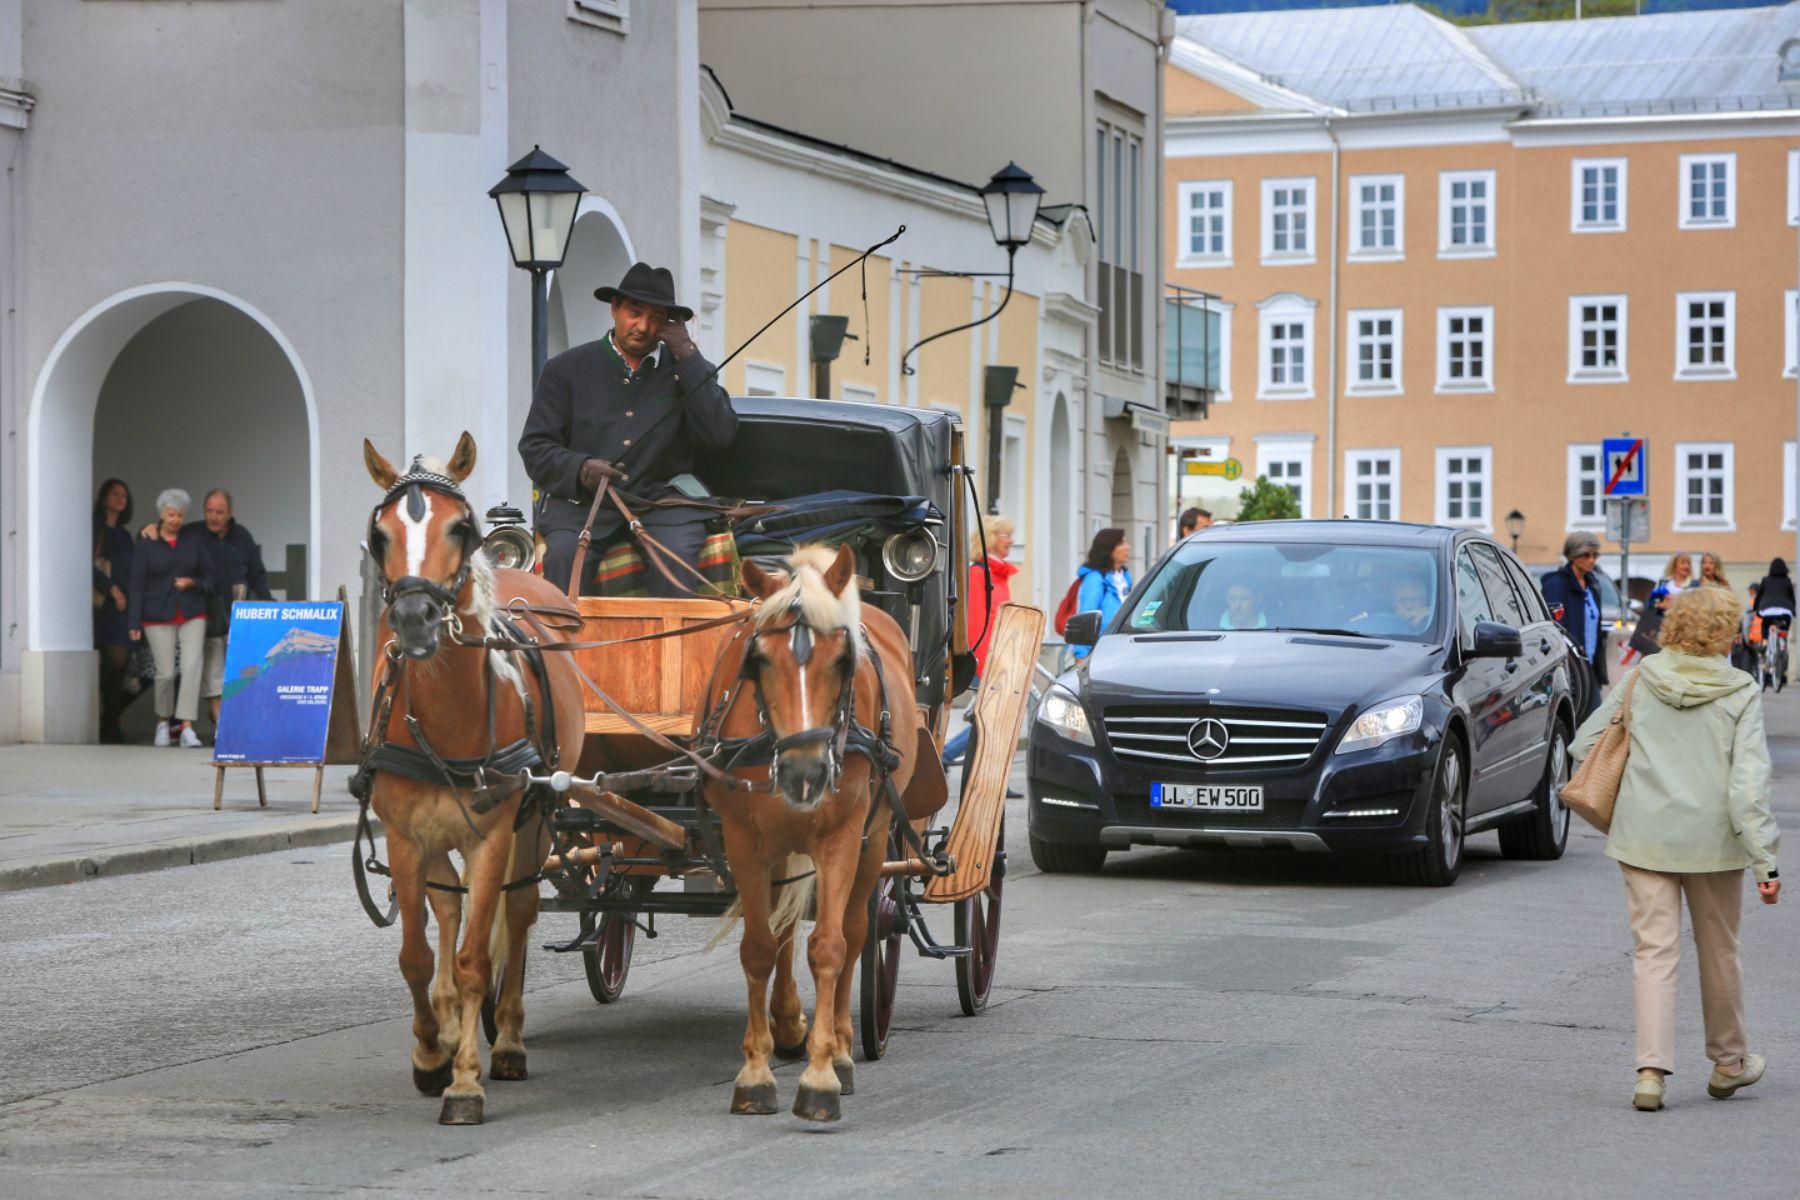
x=1210, y=797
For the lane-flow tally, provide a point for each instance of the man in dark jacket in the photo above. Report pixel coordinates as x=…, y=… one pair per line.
x=639, y=401
x=1574, y=597
x=238, y=573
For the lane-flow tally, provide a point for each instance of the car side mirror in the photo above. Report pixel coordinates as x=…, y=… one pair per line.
x=1493, y=640
x=1082, y=629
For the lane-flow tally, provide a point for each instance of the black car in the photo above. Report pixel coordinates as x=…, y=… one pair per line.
x=1350, y=686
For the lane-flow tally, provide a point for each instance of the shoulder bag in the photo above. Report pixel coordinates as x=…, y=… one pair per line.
x=1594, y=790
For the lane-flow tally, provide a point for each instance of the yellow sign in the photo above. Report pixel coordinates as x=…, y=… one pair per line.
x=1231, y=468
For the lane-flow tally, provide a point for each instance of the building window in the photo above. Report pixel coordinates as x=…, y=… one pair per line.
x=1287, y=220
x=1708, y=191
x=1375, y=352
x=1206, y=228
x=1597, y=202
x=1463, y=485
x=1465, y=214
x=1597, y=339
x=1586, y=488
x=764, y=379
x=1287, y=459
x=1790, y=322
x=1787, y=485
x=1465, y=350
x=614, y=15
x=1286, y=352
x=1703, y=476
x=1374, y=481
x=1704, y=335
x=1377, y=217
x=1793, y=187
x=1118, y=192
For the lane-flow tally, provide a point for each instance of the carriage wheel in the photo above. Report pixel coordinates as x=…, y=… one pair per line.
x=880, y=973
x=607, y=959
x=978, y=927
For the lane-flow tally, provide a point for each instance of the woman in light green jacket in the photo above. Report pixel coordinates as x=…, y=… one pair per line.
x=1692, y=814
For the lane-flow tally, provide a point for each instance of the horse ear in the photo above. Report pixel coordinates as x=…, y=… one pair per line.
x=380, y=469
x=758, y=582
x=843, y=570
x=463, y=460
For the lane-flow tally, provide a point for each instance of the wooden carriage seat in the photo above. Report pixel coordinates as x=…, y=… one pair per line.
x=658, y=682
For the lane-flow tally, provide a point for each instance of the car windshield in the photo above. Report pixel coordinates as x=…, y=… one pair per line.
x=1373, y=591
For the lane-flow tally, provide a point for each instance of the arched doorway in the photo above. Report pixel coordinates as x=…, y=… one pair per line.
x=1124, y=506
x=168, y=385
x=1063, y=556
x=599, y=255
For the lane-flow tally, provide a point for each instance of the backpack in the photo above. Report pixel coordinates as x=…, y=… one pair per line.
x=1066, y=607
x=1755, y=636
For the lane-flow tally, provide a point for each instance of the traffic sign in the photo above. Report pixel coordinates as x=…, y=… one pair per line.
x=1230, y=468
x=1623, y=470
x=1627, y=519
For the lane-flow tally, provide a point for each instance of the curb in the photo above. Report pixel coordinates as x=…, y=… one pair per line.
x=179, y=852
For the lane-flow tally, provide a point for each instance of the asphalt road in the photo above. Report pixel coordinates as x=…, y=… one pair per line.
x=1182, y=1025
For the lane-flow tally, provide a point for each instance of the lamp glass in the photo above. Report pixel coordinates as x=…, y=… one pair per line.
x=518, y=229
x=552, y=221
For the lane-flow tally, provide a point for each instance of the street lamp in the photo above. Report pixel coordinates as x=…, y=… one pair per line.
x=1515, y=525
x=538, y=200
x=1012, y=198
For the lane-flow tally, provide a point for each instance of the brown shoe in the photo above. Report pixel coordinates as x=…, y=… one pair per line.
x=1647, y=1096
x=1721, y=1086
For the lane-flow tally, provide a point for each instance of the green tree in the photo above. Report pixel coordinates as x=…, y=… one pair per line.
x=1265, y=501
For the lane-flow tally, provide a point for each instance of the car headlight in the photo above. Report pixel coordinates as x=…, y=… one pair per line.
x=910, y=556
x=510, y=546
x=1062, y=712
x=1384, y=723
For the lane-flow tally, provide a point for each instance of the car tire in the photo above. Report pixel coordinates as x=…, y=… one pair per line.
x=1437, y=863
x=1059, y=859
x=1543, y=833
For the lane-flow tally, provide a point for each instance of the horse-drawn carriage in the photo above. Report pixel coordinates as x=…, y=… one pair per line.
x=684, y=730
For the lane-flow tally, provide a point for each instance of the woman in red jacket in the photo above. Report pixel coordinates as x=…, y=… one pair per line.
x=984, y=604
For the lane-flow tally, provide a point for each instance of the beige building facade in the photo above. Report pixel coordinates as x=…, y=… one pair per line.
x=1437, y=291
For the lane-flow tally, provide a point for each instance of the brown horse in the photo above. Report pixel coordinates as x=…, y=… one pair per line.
x=443, y=706
x=816, y=664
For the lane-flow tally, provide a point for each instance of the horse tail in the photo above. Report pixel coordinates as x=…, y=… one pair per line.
x=497, y=947
x=790, y=908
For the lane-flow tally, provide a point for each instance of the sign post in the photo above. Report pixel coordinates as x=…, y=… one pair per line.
x=290, y=692
x=1625, y=479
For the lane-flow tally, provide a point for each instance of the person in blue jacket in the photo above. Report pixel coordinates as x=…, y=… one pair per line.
x=1574, y=598
x=1105, y=579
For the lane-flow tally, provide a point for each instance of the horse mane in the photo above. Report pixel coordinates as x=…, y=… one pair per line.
x=807, y=589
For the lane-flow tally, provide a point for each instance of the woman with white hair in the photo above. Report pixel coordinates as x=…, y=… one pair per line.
x=170, y=579
x=1575, y=599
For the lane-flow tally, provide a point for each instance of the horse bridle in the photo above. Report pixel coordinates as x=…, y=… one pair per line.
x=412, y=486
x=835, y=736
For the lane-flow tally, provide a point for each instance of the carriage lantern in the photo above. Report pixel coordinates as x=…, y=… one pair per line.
x=538, y=201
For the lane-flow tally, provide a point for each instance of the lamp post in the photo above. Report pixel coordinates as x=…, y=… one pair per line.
x=1012, y=198
x=1515, y=526
x=538, y=200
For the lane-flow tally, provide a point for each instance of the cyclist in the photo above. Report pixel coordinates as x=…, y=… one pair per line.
x=1775, y=605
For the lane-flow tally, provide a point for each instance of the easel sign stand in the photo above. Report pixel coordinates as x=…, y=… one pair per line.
x=290, y=692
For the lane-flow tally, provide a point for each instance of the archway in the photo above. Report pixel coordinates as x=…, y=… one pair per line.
x=1124, y=506
x=599, y=255
x=171, y=384
x=1063, y=554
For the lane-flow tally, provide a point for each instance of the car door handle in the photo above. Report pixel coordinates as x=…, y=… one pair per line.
x=1544, y=646
x=1512, y=664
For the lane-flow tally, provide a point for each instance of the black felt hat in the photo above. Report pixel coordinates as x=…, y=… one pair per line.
x=651, y=285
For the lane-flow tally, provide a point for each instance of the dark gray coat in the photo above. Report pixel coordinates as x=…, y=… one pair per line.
x=585, y=408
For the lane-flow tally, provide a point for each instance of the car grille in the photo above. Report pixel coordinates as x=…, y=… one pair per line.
x=1259, y=738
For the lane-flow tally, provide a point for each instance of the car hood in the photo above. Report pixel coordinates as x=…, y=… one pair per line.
x=1255, y=667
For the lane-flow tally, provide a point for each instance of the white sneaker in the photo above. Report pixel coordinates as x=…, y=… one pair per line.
x=189, y=739
x=162, y=734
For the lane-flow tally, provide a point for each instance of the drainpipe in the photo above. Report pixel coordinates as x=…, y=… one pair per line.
x=1331, y=338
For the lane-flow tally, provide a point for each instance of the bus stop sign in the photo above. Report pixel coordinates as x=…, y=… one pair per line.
x=1623, y=470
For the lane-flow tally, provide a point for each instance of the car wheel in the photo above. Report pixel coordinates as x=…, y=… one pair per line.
x=1436, y=863
x=1058, y=859
x=1543, y=833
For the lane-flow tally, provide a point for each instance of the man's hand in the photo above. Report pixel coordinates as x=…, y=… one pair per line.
x=183, y=583
x=596, y=469
x=148, y=532
x=1770, y=891
x=675, y=337
x=118, y=598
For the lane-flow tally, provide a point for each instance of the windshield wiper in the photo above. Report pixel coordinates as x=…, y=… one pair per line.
x=1355, y=633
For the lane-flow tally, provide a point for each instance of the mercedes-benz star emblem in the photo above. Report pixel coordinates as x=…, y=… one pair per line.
x=1208, y=739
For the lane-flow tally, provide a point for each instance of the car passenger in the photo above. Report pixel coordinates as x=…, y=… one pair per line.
x=1409, y=609
x=1243, y=608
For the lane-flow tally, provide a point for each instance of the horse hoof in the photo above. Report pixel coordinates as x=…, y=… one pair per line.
x=432, y=1082
x=815, y=1104
x=793, y=1053
x=754, y=1100
x=460, y=1110
x=506, y=1064
x=846, y=1078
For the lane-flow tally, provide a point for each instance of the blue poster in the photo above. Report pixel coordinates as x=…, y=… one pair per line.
x=280, y=664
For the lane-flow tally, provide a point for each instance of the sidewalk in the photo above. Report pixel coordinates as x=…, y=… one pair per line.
x=69, y=813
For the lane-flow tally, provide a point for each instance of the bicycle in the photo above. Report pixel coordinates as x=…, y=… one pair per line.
x=1775, y=653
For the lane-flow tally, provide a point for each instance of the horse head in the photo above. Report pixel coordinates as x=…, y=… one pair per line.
x=802, y=662
x=425, y=537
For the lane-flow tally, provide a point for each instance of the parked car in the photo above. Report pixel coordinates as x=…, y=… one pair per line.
x=1336, y=686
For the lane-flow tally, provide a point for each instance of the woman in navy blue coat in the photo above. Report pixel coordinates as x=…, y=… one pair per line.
x=112, y=579
x=1574, y=597
x=171, y=577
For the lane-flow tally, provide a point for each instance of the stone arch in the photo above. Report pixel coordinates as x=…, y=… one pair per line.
x=600, y=252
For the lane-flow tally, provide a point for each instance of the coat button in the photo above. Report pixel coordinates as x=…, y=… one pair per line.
x=678, y=379
x=628, y=441
x=629, y=413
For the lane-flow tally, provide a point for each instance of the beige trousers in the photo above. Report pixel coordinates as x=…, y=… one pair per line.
x=1715, y=900
x=178, y=649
